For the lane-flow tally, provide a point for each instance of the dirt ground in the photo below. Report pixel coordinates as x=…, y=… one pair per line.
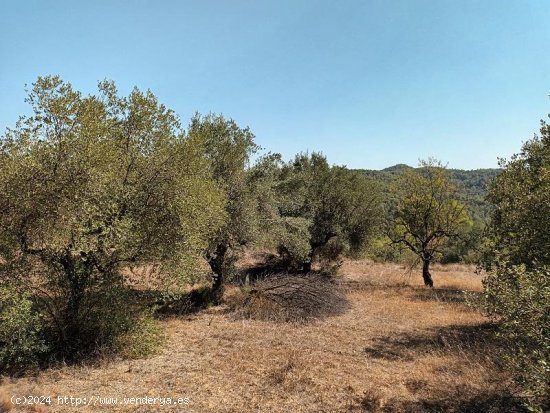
x=399, y=348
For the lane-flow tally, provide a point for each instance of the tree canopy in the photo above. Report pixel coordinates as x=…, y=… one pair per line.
x=521, y=195
x=517, y=288
x=228, y=147
x=91, y=184
x=328, y=203
x=426, y=213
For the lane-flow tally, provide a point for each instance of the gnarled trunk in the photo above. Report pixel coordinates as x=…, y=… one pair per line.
x=216, y=261
x=428, y=282
x=306, y=266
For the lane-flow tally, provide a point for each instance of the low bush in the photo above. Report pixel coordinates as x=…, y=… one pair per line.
x=519, y=298
x=21, y=343
x=143, y=339
x=108, y=317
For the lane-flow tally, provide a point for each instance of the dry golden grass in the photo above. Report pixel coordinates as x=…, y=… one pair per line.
x=399, y=348
x=5, y=403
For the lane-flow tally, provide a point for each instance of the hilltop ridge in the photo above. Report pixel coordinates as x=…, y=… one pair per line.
x=472, y=185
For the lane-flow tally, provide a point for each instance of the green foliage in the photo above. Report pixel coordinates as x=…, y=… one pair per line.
x=519, y=299
x=378, y=251
x=92, y=184
x=21, y=343
x=518, y=259
x=472, y=187
x=521, y=194
x=305, y=208
x=471, y=190
x=426, y=213
x=228, y=147
x=110, y=321
x=468, y=248
x=262, y=181
x=144, y=338
x=336, y=204
x=293, y=242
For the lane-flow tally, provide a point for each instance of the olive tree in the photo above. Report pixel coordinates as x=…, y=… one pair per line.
x=91, y=185
x=262, y=180
x=228, y=147
x=425, y=213
x=325, y=204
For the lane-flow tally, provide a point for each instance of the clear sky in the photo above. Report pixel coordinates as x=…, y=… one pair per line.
x=368, y=83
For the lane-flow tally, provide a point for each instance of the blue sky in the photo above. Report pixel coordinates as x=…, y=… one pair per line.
x=368, y=83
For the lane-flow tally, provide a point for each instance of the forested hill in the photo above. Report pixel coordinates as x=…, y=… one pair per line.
x=471, y=183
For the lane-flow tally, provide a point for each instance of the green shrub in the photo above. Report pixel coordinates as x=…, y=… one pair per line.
x=380, y=251
x=143, y=339
x=112, y=322
x=333, y=250
x=516, y=254
x=293, y=242
x=519, y=299
x=20, y=332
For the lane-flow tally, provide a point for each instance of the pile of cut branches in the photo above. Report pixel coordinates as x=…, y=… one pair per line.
x=290, y=298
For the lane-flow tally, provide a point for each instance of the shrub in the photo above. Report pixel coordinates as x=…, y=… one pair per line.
x=144, y=338
x=379, y=251
x=520, y=299
x=21, y=343
x=293, y=245
x=109, y=318
x=332, y=252
x=517, y=256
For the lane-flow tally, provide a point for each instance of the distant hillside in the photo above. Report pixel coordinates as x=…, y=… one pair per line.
x=472, y=185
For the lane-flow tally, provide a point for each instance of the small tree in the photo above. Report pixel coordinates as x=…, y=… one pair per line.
x=426, y=213
x=91, y=185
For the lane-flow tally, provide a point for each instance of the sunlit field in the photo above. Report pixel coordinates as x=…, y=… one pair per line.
x=398, y=347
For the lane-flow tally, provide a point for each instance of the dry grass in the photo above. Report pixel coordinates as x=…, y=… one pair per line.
x=399, y=348
x=5, y=403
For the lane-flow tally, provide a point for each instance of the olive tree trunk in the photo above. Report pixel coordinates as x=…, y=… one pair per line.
x=428, y=282
x=216, y=261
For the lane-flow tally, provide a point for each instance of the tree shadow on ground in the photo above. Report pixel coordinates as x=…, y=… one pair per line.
x=446, y=295
x=475, y=343
x=456, y=402
x=475, y=339
x=176, y=304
